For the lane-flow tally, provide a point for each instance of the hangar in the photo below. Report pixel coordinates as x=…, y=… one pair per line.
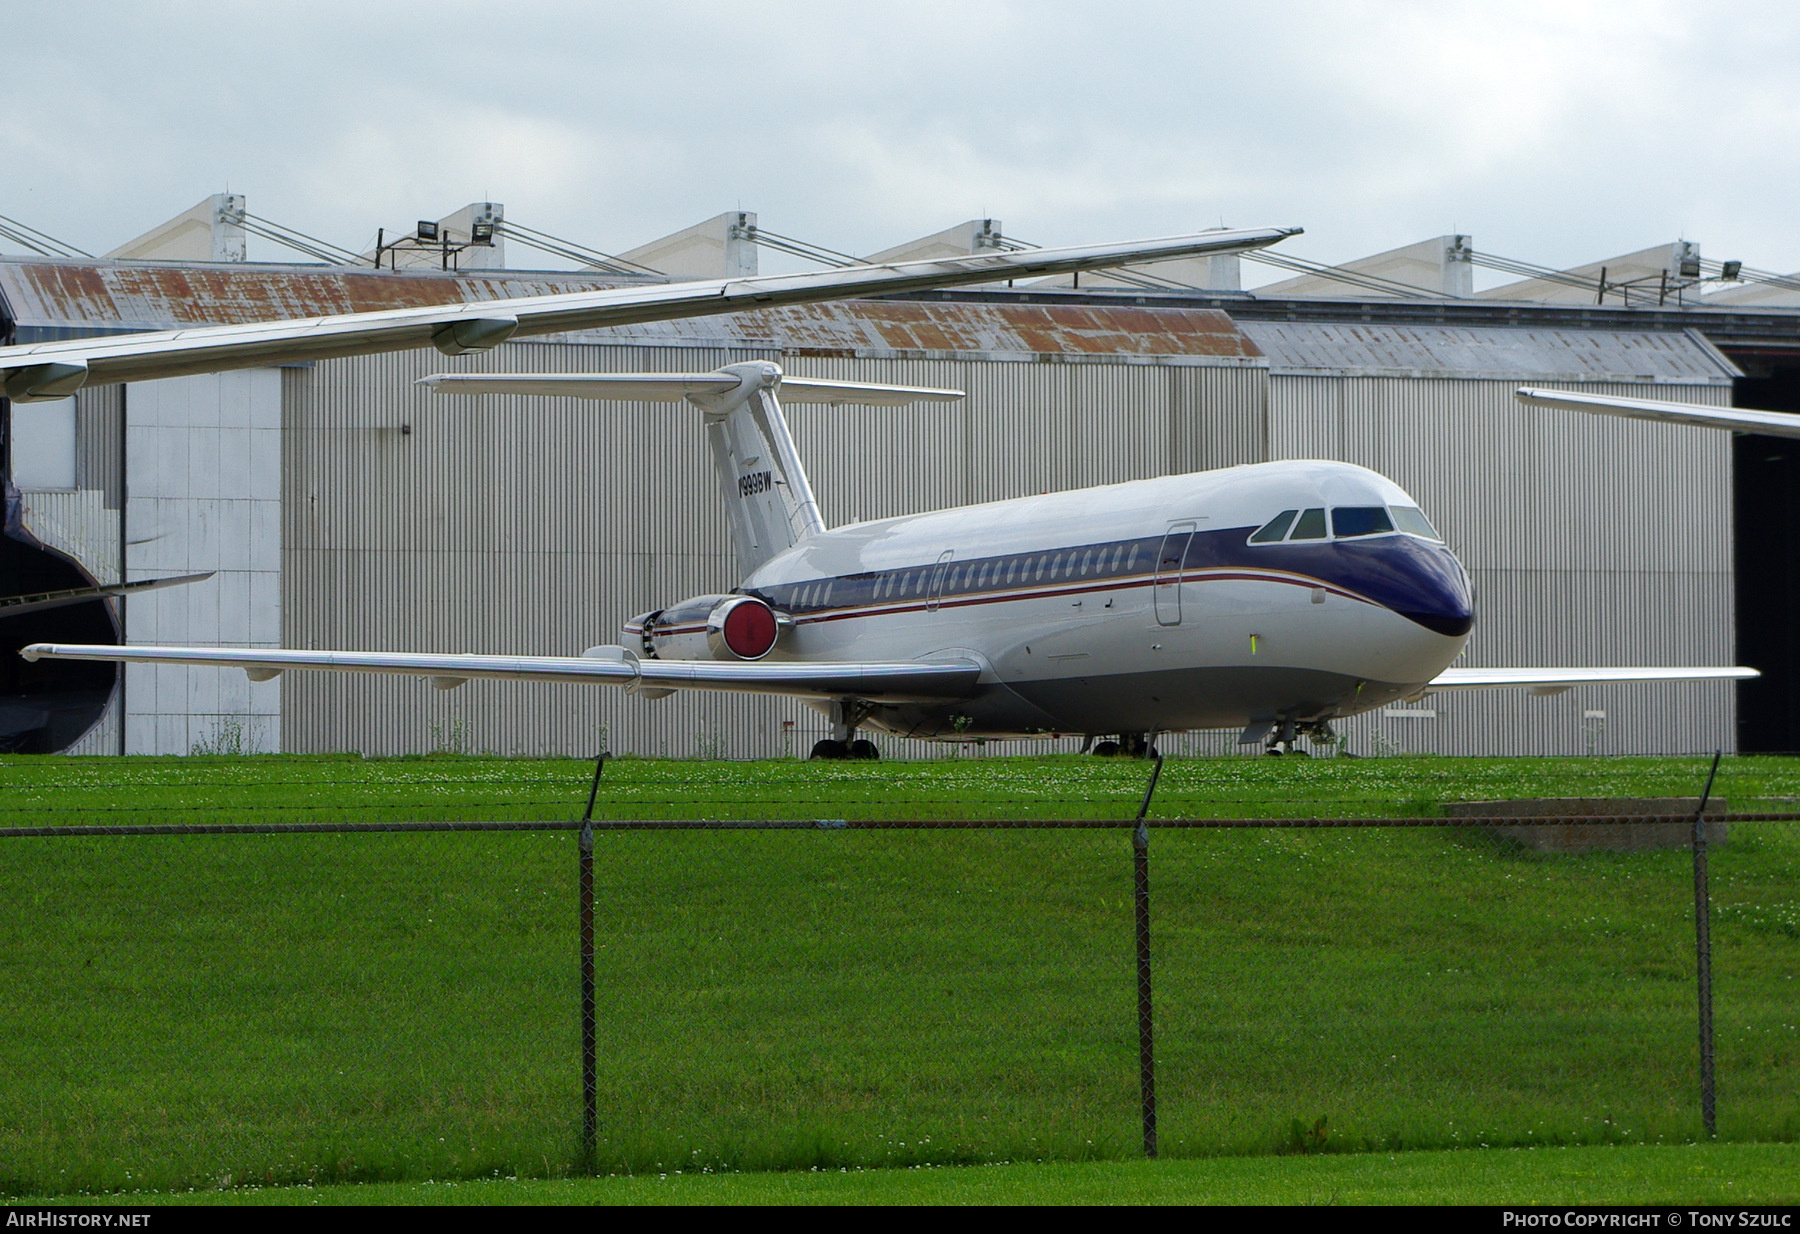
x=343, y=506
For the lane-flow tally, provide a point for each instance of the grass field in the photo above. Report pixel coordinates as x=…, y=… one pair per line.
x=1719, y=1174
x=214, y=1011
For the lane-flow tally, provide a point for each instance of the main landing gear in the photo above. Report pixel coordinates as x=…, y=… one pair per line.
x=1131, y=745
x=860, y=748
x=843, y=742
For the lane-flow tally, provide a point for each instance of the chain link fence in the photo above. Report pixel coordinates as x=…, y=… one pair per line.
x=230, y=971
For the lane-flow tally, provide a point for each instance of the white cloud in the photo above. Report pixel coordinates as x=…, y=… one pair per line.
x=1554, y=132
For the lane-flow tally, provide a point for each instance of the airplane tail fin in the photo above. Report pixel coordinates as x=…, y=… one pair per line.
x=768, y=498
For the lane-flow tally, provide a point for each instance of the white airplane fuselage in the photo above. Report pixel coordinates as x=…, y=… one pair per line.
x=1127, y=608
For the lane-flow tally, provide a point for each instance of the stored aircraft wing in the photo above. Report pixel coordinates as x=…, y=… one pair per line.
x=1741, y=419
x=18, y=606
x=40, y=371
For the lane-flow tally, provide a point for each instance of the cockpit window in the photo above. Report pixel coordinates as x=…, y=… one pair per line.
x=1413, y=522
x=1347, y=521
x=1275, y=528
x=1310, y=527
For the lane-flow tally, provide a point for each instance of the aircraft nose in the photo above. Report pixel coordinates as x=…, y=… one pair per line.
x=1435, y=590
x=1420, y=580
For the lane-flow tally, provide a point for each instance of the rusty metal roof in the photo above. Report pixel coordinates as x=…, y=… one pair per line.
x=55, y=298
x=898, y=328
x=46, y=294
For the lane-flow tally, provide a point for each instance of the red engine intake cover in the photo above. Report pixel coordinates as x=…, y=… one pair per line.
x=749, y=629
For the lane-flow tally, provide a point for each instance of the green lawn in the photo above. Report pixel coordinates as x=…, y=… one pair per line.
x=223, y=1010
x=1721, y=1174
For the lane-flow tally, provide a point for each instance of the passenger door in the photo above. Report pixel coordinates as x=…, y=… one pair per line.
x=1167, y=588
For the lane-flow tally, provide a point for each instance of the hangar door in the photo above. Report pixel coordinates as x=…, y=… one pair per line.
x=1766, y=527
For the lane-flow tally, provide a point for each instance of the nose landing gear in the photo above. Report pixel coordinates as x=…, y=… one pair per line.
x=1282, y=741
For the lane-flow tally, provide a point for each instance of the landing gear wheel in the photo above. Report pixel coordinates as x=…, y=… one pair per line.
x=1106, y=749
x=863, y=748
x=830, y=749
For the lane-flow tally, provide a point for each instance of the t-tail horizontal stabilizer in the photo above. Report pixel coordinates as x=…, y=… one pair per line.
x=769, y=503
x=673, y=387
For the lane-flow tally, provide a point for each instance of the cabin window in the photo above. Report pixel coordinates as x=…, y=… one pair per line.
x=955, y=577
x=1311, y=526
x=1131, y=561
x=1413, y=522
x=982, y=581
x=1087, y=560
x=1012, y=571
x=1275, y=528
x=1347, y=521
x=1041, y=562
x=829, y=588
x=1118, y=558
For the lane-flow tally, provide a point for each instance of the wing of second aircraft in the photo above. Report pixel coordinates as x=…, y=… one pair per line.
x=56, y=369
x=1741, y=419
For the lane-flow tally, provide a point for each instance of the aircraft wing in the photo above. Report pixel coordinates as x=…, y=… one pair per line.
x=15, y=606
x=1744, y=420
x=57, y=369
x=890, y=682
x=1557, y=680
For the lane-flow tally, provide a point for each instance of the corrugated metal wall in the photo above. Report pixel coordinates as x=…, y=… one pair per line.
x=539, y=525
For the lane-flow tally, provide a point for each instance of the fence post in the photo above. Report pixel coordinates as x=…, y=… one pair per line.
x=1140, y=860
x=590, y=1114
x=1703, y=955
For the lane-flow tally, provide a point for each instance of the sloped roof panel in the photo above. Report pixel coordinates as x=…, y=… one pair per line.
x=1499, y=352
x=66, y=296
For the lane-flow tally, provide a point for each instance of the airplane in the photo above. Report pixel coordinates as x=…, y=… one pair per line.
x=1272, y=598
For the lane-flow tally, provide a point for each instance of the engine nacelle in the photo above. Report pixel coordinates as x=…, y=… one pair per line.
x=707, y=628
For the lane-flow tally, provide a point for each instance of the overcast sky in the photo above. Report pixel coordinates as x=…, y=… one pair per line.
x=1557, y=133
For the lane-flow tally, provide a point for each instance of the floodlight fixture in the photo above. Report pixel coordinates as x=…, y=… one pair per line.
x=428, y=230
x=1732, y=272
x=1690, y=266
x=481, y=233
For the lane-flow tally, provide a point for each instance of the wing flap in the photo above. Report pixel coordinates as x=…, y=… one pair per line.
x=881, y=681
